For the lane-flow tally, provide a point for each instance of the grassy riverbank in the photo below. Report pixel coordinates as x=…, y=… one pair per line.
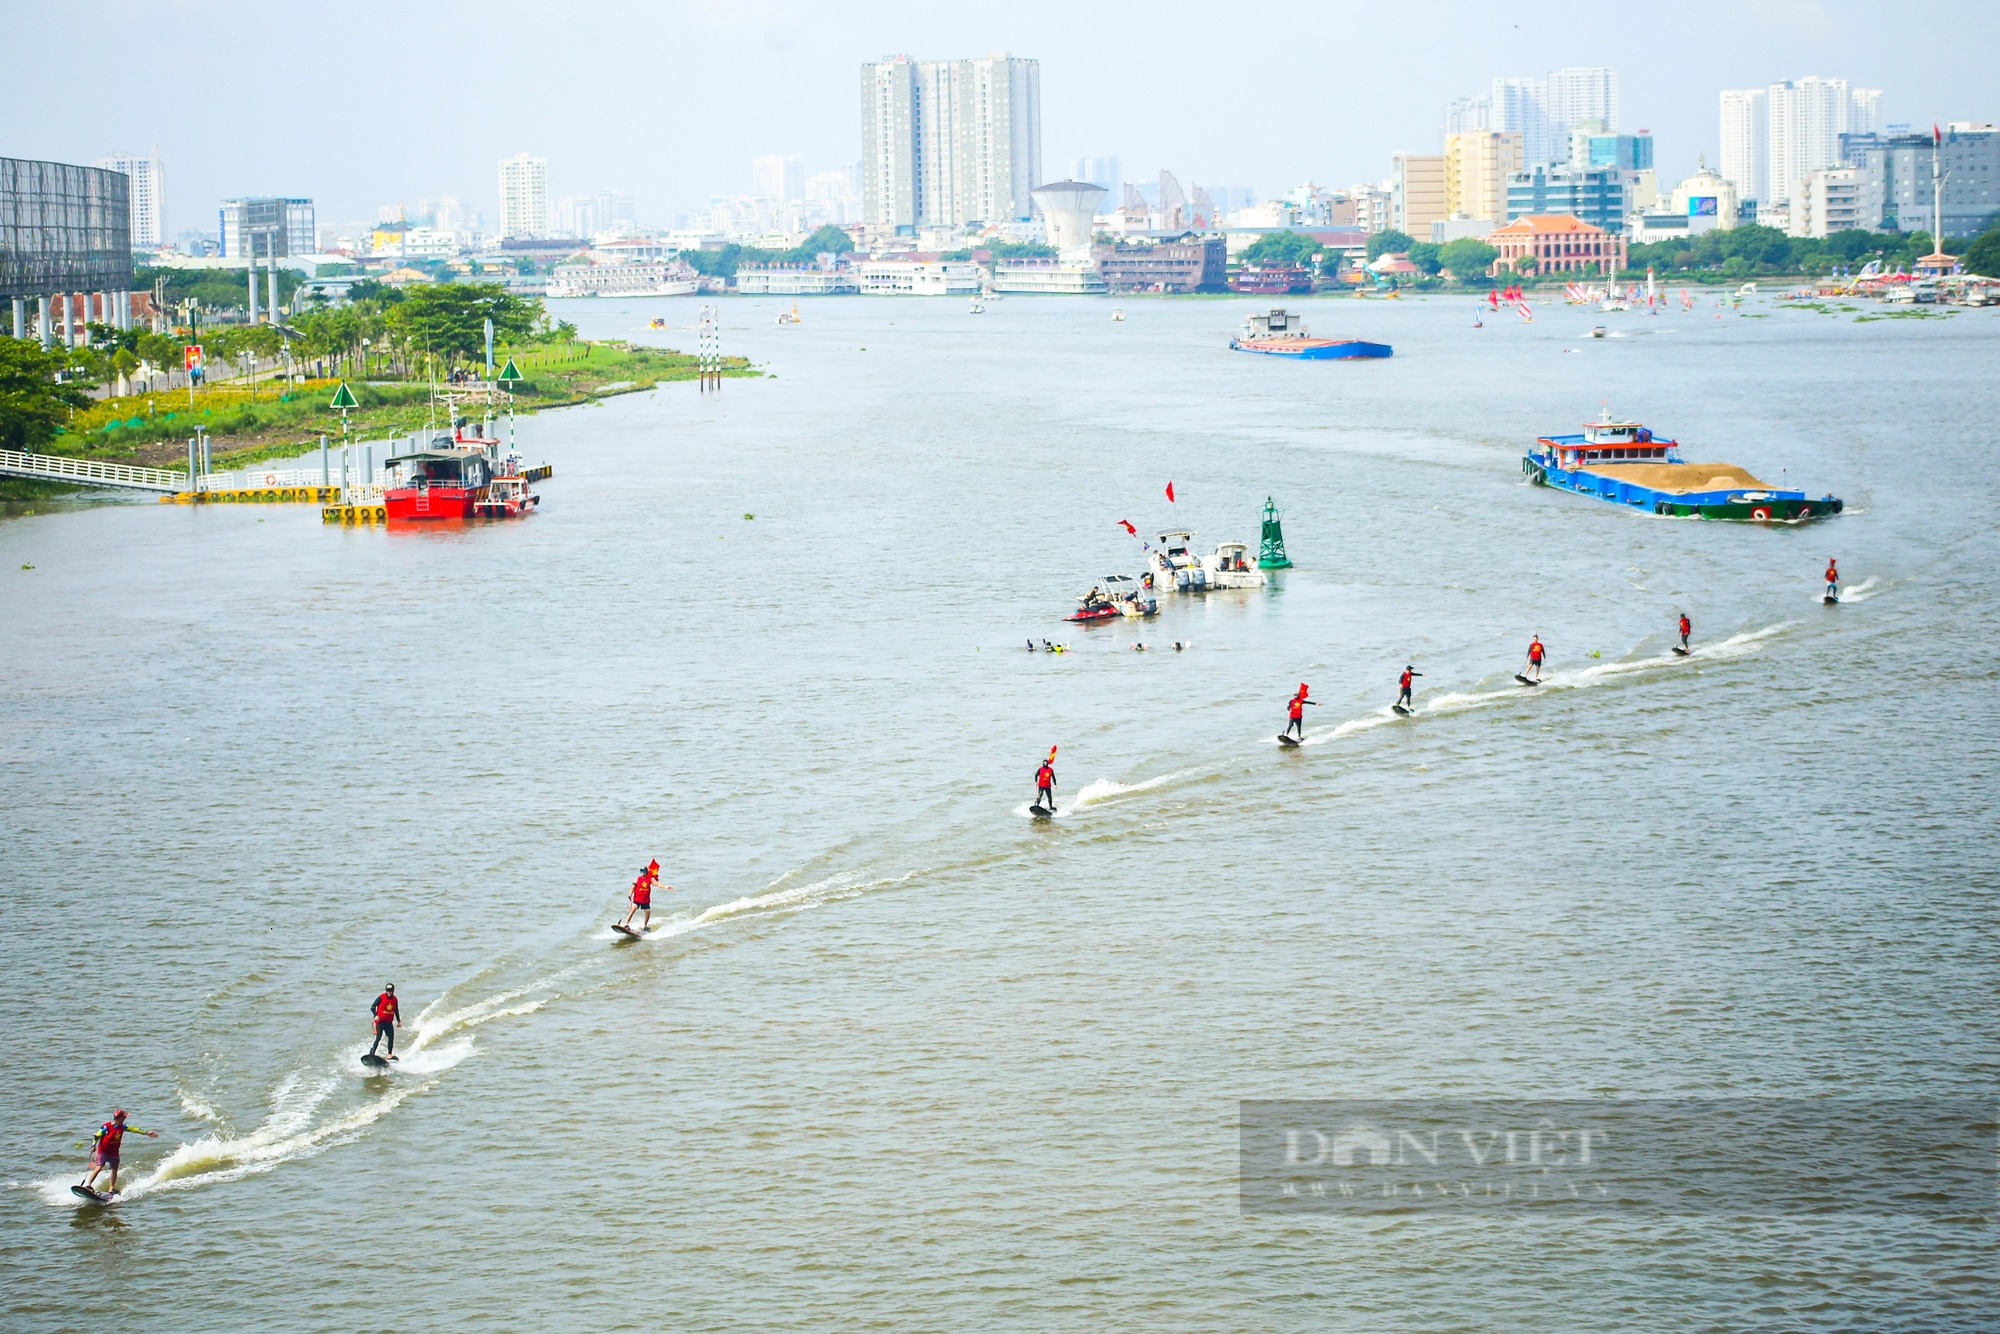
x=247, y=424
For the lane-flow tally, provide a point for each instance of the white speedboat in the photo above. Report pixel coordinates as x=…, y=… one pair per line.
x=1118, y=317
x=978, y=307
x=1129, y=597
x=1172, y=565
x=1231, y=565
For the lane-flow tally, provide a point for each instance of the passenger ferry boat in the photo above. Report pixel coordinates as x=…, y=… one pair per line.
x=1283, y=334
x=1173, y=565
x=463, y=475
x=1626, y=464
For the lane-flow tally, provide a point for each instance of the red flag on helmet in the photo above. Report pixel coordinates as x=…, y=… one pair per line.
x=1126, y=524
x=1170, y=493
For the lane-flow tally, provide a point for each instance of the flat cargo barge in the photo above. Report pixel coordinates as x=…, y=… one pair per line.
x=1626, y=464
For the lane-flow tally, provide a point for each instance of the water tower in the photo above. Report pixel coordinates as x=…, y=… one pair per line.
x=1068, y=207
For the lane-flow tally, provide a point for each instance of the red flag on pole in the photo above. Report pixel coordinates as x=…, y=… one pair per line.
x=1126, y=524
x=1170, y=493
x=1937, y=135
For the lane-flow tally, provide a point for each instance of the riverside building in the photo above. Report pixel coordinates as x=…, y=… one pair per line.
x=1557, y=244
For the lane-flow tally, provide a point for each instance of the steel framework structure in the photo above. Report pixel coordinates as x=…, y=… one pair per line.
x=63, y=229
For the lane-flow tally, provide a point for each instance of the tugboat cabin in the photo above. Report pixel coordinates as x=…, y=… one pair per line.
x=1611, y=442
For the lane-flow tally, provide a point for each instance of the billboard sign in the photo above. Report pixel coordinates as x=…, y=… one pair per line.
x=191, y=357
x=1701, y=206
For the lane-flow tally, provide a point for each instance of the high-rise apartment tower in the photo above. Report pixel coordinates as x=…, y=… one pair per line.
x=147, y=194
x=950, y=141
x=524, y=196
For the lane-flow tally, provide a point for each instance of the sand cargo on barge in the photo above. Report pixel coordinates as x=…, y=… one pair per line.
x=1626, y=464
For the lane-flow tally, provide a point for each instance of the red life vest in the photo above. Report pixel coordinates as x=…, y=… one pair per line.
x=1406, y=681
x=642, y=890
x=1832, y=574
x=1535, y=651
x=1685, y=627
x=1298, y=707
x=110, y=1137
x=1045, y=777
x=385, y=1007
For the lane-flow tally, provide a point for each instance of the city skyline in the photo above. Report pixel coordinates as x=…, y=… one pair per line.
x=674, y=144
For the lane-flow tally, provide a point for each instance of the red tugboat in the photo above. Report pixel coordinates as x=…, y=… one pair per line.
x=463, y=475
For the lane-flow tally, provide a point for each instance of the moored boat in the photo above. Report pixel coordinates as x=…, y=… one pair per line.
x=1283, y=333
x=1626, y=464
x=463, y=475
x=1173, y=565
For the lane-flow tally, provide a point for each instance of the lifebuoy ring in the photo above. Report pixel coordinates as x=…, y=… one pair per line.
x=1805, y=511
x=270, y=479
x=1760, y=513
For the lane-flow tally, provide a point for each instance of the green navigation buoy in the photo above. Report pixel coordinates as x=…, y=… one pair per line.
x=1271, y=555
x=510, y=373
x=343, y=397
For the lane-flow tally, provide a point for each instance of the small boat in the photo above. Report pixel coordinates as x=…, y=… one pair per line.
x=459, y=476
x=1130, y=599
x=1283, y=334
x=791, y=316
x=1118, y=317
x=1626, y=464
x=1597, y=331
x=978, y=307
x=1612, y=304
x=1173, y=565
x=657, y=322
x=1094, y=606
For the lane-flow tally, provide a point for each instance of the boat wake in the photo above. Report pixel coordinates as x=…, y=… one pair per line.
x=1860, y=592
x=798, y=898
x=1583, y=678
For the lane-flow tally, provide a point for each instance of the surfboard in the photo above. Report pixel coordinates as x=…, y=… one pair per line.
x=1406, y=712
x=622, y=929
x=1524, y=680
x=374, y=1060
x=82, y=1191
x=1285, y=739
x=1041, y=812
x=1680, y=652
x=1831, y=600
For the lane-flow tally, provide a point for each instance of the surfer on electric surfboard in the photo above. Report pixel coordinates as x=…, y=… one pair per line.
x=388, y=1013
x=1403, y=704
x=1533, y=676
x=642, y=899
x=1687, y=628
x=1296, y=711
x=104, y=1155
x=1045, y=786
x=1832, y=580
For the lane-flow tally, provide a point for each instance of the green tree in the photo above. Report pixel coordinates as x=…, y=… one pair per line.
x=1391, y=242
x=1282, y=248
x=32, y=404
x=1468, y=258
x=1425, y=256
x=448, y=320
x=1983, y=255
x=828, y=240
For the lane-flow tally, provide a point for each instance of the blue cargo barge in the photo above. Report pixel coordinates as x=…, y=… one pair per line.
x=1626, y=464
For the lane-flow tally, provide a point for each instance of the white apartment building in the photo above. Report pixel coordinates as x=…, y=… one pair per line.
x=778, y=176
x=1832, y=199
x=1807, y=118
x=146, y=196
x=1542, y=111
x=524, y=196
x=1746, y=141
x=944, y=143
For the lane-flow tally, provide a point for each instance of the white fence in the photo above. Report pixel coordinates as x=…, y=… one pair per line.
x=58, y=468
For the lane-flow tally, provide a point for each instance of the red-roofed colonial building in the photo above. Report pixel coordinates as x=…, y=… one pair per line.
x=1558, y=243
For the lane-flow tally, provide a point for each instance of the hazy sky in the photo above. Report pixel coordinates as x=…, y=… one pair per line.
x=361, y=104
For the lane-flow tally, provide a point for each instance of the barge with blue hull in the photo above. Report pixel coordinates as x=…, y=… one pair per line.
x=1626, y=464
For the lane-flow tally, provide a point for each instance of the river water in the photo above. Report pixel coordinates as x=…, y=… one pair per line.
x=901, y=1058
